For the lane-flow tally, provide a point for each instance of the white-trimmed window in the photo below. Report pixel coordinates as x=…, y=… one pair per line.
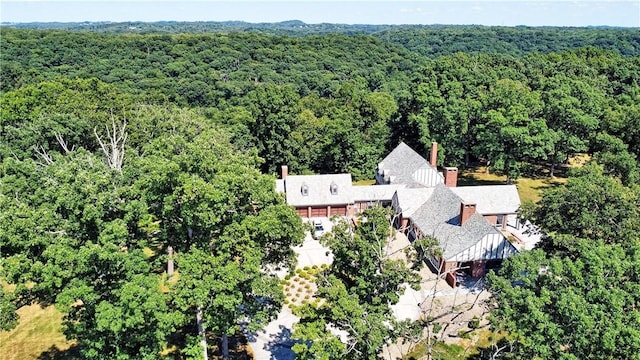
x=333, y=188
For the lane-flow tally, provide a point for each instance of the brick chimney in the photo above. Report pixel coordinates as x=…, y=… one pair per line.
x=466, y=211
x=451, y=176
x=284, y=171
x=433, y=158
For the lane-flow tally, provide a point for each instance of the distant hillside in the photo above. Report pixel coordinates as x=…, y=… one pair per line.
x=440, y=40
x=290, y=27
x=428, y=40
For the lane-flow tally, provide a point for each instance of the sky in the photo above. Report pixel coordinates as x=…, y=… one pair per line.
x=624, y=13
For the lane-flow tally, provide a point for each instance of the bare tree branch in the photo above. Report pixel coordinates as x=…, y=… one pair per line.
x=63, y=143
x=114, y=150
x=44, y=155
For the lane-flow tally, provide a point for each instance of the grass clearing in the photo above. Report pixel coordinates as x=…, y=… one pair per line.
x=364, y=182
x=39, y=330
x=529, y=188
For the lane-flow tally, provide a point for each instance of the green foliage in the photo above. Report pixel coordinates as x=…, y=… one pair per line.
x=438, y=40
x=208, y=114
x=8, y=316
x=515, y=113
x=574, y=297
x=74, y=232
x=32, y=116
x=474, y=323
x=335, y=103
x=356, y=291
x=592, y=205
x=574, y=306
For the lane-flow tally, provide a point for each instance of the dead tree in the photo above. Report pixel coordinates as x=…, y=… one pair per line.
x=114, y=149
x=48, y=160
x=63, y=144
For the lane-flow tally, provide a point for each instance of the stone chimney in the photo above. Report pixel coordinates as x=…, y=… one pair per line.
x=466, y=211
x=433, y=156
x=451, y=176
x=284, y=171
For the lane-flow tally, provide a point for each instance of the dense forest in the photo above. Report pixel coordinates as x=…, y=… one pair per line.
x=122, y=144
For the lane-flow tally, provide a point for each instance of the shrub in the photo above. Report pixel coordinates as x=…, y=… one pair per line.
x=474, y=323
x=436, y=327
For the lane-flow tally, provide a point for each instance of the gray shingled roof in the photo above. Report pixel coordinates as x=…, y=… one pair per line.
x=410, y=200
x=491, y=199
x=375, y=192
x=439, y=217
x=319, y=192
x=472, y=231
x=402, y=164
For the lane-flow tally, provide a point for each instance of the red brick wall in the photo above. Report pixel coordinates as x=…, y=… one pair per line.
x=466, y=211
x=451, y=279
x=492, y=219
x=451, y=176
x=477, y=269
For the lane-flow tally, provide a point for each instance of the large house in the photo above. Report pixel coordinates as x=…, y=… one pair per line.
x=326, y=195
x=466, y=221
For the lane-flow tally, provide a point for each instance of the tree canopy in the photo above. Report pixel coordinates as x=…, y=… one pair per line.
x=92, y=239
x=352, y=317
x=127, y=154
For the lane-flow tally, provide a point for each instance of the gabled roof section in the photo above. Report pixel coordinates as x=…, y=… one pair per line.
x=467, y=236
x=441, y=208
x=405, y=166
x=439, y=217
x=491, y=199
x=315, y=190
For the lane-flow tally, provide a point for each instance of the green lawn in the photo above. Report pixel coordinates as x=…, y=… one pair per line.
x=39, y=331
x=364, y=182
x=529, y=188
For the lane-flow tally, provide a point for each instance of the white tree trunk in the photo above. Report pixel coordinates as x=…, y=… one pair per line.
x=201, y=333
x=114, y=150
x=170, y=261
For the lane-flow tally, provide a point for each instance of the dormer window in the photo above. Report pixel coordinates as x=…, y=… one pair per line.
x=334, y=188
x=304, y=189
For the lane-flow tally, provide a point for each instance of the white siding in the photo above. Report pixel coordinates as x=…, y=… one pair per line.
x=491, y=247
x=428, y=177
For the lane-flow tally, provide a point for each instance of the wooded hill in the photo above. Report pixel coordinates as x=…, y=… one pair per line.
x=431, y=40
x=116, y=147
